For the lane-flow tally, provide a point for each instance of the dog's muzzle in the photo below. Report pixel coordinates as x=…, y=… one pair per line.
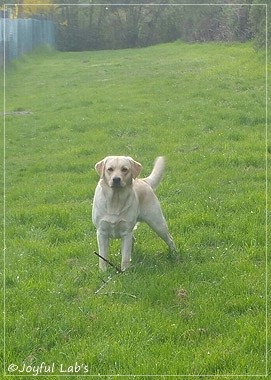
x=116, y=182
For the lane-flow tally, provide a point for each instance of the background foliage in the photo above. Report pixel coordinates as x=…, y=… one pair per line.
x=130, y=25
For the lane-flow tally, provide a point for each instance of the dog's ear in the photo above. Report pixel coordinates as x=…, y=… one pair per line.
x=136, y=167
x=99, y=167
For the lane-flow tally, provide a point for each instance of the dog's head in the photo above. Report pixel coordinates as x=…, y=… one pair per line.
x=118, y=171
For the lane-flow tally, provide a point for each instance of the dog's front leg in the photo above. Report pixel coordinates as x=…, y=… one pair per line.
x=126, y=250
x=103, y=244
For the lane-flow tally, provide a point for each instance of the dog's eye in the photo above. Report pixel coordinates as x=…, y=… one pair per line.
x=110, y=170
x=124, y=170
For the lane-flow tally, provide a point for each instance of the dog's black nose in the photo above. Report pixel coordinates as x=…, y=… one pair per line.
x=116, y=181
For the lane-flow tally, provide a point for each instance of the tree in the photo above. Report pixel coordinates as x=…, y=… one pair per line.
x=127, y=25
x=37, y=7
x=260, y=22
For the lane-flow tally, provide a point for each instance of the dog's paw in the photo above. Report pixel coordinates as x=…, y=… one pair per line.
x=174, y=254
x=125, y=265
x=102, y=266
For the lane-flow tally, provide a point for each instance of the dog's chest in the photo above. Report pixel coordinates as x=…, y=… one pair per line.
x=115, y=229
x=115, y=216
x=116, y=225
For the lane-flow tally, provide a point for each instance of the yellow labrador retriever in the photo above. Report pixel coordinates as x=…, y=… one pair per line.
x=121, y=200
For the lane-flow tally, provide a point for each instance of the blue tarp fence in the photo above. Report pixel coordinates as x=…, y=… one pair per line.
x=20, y=36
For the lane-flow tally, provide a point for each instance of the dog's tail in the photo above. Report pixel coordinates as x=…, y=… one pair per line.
x=157, y=173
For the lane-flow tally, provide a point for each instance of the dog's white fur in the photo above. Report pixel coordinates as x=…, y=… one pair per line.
x=121, y=200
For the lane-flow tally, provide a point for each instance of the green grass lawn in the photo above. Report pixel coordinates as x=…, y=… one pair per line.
x=202, y=313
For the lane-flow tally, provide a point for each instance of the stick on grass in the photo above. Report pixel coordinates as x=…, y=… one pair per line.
x=108, y=262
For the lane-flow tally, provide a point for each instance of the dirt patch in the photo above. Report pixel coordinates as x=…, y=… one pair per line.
x=17, y=113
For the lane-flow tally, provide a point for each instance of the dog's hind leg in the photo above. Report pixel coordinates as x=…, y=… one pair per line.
x=162, y=231
x=159, y=225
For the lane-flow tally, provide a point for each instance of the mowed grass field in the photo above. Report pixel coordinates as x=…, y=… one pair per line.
x=200, y=313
